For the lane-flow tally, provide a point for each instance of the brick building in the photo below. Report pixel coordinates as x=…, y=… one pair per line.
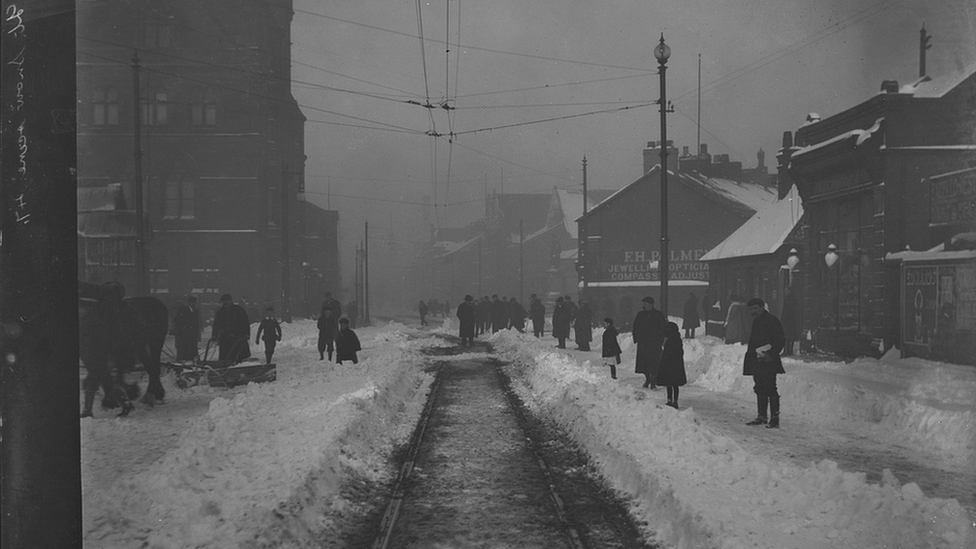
x=866, y=177
x=222, y=147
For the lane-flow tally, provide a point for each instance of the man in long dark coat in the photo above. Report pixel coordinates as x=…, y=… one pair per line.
x=465, y=314
x=584, y=326
x=186, y=325
x=232, y=330
x=537, y=313
x=499, y=314
x=333, y=304
x=648, y=333
x=560, y=322
x=762, y=361
x=516, y=315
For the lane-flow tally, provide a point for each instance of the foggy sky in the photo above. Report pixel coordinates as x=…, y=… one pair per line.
x=765, y=64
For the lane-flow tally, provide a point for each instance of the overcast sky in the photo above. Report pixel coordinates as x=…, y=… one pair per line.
x=526, y=71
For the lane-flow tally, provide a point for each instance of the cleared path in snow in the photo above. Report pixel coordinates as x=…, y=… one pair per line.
x=486, y=474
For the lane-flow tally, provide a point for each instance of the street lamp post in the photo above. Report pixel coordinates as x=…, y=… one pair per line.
x=662, y=52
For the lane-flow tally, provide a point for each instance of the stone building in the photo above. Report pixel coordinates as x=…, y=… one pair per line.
x=207, y=87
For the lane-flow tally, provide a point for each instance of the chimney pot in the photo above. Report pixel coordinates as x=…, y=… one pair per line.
x=889, y=86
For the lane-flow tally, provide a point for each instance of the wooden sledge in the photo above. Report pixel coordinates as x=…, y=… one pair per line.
x=221, y=373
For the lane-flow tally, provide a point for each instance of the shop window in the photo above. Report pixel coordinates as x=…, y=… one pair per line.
x=845, y=286
x=206, y=279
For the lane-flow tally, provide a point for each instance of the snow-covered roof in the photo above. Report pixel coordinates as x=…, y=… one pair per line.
x=744, y=197
x=860, y=135
x=928, y=87
x=449, y=248
x=763, y=233
x=909, y=256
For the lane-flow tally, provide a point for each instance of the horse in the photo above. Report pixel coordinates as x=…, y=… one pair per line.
x=115, y=333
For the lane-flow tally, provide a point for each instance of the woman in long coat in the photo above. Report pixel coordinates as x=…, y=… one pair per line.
x=560, y=322
x=648, y=334
x=584, y=326
x=691, y=320
x=735, y=319
x=672, y=372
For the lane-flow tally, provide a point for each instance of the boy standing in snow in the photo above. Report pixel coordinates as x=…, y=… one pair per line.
x=672, y=373
x=611, y=349
x=347, y=343
x=271, y=331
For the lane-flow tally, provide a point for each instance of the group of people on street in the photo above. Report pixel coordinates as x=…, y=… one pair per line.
x=231, y=331
x=335, y=333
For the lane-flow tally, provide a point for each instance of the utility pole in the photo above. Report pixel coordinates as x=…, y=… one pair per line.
x=285, y=243
x=521, y=264
x=923, y=44
x=366, y=273
x=581, y=245
x=142, y=271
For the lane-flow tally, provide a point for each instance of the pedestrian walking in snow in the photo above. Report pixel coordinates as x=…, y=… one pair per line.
x=690, y=319
x=788, y=319
x=573, y=309
x=560, y=322
x=499, y=314
x=672, y=374
x=537, y=313
x=611, y=347
x=347, y=343
x=763, y=363
x=735, y=318
x=648, y=333
x=333, y=303
x=584, y=326
x=465, y=314
x=328, y=327
x=422, y=310
x=232, y=331
x=269, y=331
x=516, y=315
x=482, y=315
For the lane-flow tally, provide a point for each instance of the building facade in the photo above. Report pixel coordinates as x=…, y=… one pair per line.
x=623, y=236
x=862, y=177
x=189, y=105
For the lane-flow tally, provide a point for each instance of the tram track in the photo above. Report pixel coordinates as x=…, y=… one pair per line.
x=481, y=471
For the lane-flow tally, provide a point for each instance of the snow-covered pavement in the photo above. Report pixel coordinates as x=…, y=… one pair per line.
x=263, y=465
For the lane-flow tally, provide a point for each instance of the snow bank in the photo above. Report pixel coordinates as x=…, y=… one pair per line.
x=264, y=466
x=694, y=488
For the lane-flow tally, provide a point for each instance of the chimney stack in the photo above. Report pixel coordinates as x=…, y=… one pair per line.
x=923, y=44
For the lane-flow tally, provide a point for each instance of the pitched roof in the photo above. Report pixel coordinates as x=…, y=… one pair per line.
x=742, y=198
x=763, y=233
x=934, y=87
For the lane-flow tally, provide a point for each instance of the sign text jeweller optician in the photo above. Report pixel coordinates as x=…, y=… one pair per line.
x=683, y=264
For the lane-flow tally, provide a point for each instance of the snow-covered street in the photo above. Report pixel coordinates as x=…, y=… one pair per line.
x=867, y=456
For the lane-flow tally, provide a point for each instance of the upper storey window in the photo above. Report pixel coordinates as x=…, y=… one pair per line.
x=203, y=108
x=105, y=102
x=155, y=111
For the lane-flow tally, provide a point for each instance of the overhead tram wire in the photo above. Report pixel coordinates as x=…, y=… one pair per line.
x=566, y=117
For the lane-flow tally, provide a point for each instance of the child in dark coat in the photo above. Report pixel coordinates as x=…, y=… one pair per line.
x=611, y=349
x=271, y=332
x=672, y=373
x=346, y=343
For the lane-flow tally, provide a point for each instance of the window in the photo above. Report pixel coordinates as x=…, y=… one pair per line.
x=179, y=200
x=206, y=280
x=105, y=102
x=203, y=108
x=845, y=286
x=154, y=110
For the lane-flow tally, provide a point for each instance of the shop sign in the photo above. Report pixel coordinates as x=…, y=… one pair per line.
x=683, y=264
x=939, y=301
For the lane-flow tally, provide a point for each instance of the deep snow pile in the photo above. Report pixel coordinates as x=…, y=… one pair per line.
x=264, y=463
x=696, y=488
